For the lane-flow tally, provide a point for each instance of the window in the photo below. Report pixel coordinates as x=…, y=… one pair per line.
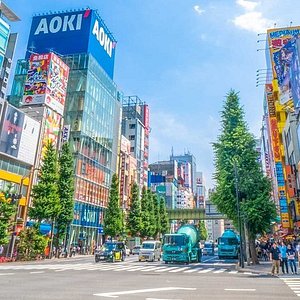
x=131, y=137
x=131, y=126
x=131, y=149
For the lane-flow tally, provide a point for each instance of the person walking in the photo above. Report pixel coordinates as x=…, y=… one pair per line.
x=291, y=253
x=284, y=260
x=275, y=258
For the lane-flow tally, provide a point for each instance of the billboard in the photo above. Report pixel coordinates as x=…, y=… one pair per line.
x=73, y=32
x=277, y=39
x=19, y=135
x=87, y=215
x=295, y=74
x=46, y=82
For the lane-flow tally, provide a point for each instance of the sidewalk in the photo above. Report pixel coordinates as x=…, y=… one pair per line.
x=264, y=268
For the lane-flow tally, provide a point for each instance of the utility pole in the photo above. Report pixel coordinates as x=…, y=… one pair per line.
x=241, y=256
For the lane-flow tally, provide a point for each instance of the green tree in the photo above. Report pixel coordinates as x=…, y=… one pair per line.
x=7, y=210
x=202, y=231
x=164, y=221
x=45, y=197
x=145, y=214
x=65, y=190
x=235, y=149
x=113, y=218
x=157, y=219
x=31, y=244
x=134, y=220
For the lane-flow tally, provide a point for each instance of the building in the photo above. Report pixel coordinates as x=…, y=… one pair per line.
x=136, y=128
x=127, y=173
x=92, y=110
x=200, y=194
x=188, y=158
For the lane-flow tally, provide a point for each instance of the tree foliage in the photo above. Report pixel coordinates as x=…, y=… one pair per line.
x=7, y=210
x=236, y=148
x=113, y=219
x=164, y=221
x=65, y=189
x=45, y=197
x=31, y=244
x=202, y=231
x=134, y=220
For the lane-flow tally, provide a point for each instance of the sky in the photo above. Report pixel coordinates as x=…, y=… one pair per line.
x=182, y=57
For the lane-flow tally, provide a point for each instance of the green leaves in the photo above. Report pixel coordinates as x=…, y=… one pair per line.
x=45, y=196
x=134, y=220
x=237, y=145
x=113, y=219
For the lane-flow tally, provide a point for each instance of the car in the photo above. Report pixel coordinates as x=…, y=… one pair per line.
x=150, y=251
x=208, y=249
x=111, y=251
x=136, y=250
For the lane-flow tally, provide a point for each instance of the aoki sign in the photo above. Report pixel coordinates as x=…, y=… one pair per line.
x=71, y=33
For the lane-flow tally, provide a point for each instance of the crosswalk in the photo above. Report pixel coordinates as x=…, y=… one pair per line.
x=118, y=267
x=293, y=283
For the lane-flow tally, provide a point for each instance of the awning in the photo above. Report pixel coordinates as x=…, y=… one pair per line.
x=45, y=228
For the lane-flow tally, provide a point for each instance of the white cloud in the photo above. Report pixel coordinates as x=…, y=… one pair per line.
x=247, y=5
x=198, y=9
x=253, y=21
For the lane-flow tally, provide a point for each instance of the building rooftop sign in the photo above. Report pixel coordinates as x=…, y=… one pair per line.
x=8, y=13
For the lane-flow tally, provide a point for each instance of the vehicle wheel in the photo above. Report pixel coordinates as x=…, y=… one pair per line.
x=159, y=258
x=123, y=257
x=140, y=260
x=96, y=260
x=220, y=257
x=166, y=262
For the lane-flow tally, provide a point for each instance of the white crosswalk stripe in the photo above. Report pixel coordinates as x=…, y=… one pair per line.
x=132, y=266
x=293, y=283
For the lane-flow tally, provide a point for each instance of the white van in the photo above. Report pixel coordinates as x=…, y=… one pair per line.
x=150, y=251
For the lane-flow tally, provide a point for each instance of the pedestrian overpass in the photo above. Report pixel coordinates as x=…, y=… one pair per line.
x=193, y=214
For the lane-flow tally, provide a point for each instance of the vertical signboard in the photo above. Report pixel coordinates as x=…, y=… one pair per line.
x=277, y=39
x=295, y=73
x=46, y=82
x=275, y=141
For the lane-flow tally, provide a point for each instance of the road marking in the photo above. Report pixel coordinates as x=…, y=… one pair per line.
x=219, y=271
x=161, y=299
x=212, y=258
x=116, y=294
x=147, y=269
x=233, y=272
x=37, y=272
x=248, y=273
x=167, y=269
x=241, y=290
x=179, y=270
x=206, y=270
x=3, y=274
x=192, y=270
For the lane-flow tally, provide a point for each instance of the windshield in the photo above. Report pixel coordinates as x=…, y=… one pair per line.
x=108, y=247
x=175, y=240
x=148, y=246
x=207, y=245
x=228, y=241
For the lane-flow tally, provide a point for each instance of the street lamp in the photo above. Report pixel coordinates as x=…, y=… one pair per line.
x=241, y=256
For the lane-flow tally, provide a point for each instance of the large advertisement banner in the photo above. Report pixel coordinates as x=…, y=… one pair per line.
x=74, y=32
x=295, y=73
x=46, y=82
x=19, y=135
x=277, y=39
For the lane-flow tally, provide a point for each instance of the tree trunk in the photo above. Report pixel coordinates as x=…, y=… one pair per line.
x=253, y=250
x=247, y=244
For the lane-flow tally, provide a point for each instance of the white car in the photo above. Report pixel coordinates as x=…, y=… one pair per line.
x=136, y=250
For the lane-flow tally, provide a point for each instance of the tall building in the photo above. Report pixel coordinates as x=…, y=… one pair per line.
x=200, y=193
x=92, y=108
x=188, y=158
x=136, y=128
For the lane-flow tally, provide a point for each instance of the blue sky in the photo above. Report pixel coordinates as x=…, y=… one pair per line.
x=182, y=57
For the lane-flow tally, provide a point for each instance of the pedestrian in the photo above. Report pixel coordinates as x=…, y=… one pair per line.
x=284, y=260
x=1, y=250
x=291, y=253
x=275, y=258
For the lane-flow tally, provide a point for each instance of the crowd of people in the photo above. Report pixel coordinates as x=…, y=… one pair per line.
x=283, y=254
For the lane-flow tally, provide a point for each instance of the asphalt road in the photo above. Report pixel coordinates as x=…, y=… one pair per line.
x=81, y=278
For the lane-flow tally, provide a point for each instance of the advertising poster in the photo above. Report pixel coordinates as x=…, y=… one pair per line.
x=11, y=131
x=46, y=82
x=51, y=128
x=277, y=39
x=29, y=140
x=295, y=74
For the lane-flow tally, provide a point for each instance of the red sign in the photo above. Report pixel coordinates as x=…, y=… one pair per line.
x=275, y=139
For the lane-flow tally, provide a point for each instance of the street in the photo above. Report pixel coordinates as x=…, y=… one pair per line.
x=82, y=278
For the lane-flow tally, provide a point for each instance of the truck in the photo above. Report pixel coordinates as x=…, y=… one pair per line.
x=228, y=245
x=183, y=246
